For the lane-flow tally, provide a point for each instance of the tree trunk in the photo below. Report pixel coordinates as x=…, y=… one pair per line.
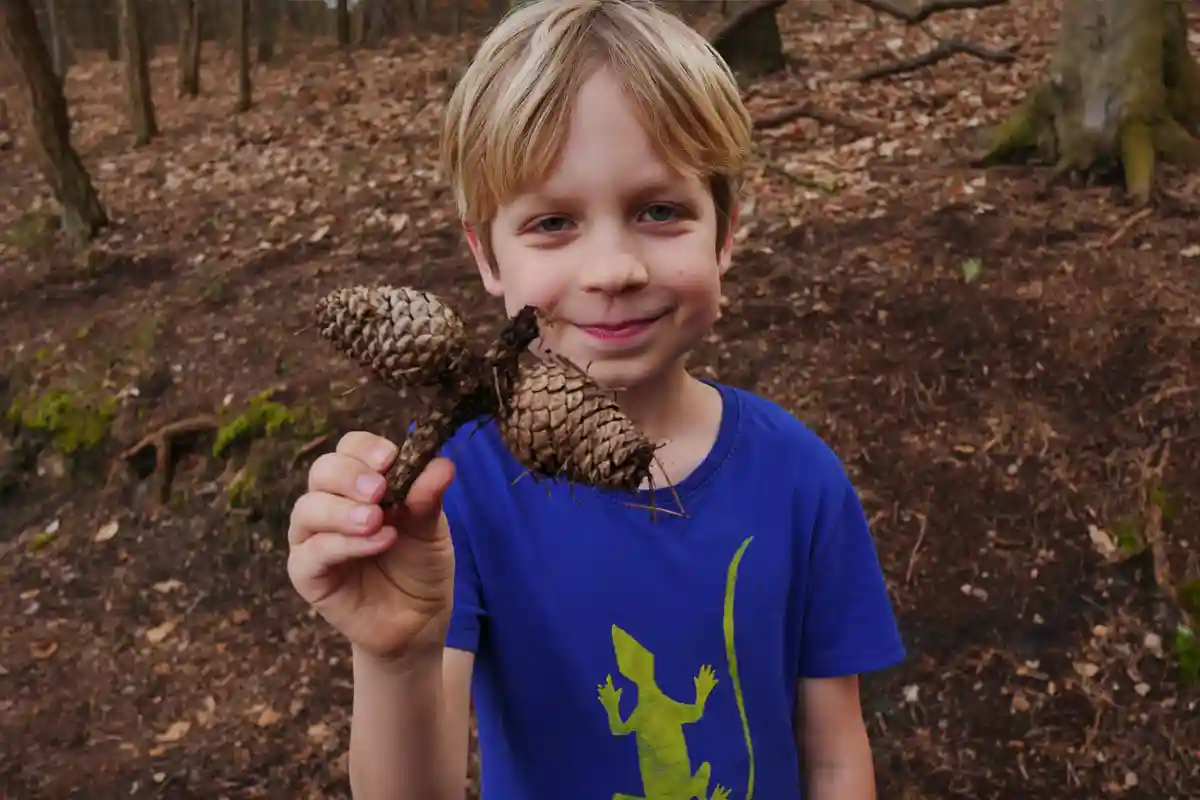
x=50, y=126
x=60, y=54
x=268, y=30
x=189, y=48
x=1122, y=88
x=242, y=37
x=343, y=23
x=137, y=73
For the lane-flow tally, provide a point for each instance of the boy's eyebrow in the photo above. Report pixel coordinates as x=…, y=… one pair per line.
x=651, y=187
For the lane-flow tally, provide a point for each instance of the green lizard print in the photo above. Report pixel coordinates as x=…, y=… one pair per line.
x=657, y=721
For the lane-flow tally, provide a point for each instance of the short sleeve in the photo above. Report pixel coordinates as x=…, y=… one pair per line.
x=468, y=614
x=849, y=626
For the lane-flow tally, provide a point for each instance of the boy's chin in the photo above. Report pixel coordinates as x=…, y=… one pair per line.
x=620, y=373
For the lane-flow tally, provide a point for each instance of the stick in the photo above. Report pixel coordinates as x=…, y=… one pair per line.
x=808, y=111
x=912, y=557
x=1124, y=229
x=946, y=49
x=1155, y=541
x=161, y=440
x=928, y=9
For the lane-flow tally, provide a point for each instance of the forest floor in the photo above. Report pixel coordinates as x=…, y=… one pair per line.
x=1010, y=370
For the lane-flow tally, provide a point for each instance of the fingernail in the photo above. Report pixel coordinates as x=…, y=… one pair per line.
x=384, y=454
x=360, y=515
x=369, y=484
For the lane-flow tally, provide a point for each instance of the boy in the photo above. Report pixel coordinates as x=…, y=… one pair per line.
x=610, y=654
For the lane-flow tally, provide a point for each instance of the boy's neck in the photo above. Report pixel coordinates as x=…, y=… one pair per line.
x=679, y=413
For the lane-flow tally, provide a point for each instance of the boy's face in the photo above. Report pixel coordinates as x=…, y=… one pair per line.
x=620, y=252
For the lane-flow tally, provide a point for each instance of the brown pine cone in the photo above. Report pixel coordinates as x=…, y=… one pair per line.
x=405, y=336
x=562, y=424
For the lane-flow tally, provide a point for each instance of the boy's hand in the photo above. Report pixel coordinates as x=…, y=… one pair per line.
x=384, y=583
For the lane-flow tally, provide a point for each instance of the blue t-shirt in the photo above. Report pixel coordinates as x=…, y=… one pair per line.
x=620, y=656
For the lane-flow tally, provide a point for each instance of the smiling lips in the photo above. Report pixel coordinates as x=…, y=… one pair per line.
x=621, y=331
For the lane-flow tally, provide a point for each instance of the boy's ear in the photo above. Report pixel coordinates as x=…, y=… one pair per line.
x=725, y=258
x=491, y=279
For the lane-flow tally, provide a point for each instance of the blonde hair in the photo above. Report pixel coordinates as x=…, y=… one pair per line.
x=509, y=114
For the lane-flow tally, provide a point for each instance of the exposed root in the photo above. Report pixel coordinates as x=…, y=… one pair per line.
x=809, y=111
x=945, y=49
x=1176, y=145
x=927, y=9
x=1154, y=538
x=1023, y=134
x=163, y=441
x=306, y=448
x=1138, y=157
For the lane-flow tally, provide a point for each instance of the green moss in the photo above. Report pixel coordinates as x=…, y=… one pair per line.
x=266, y=417
x=32, y=231
x=1187, y=652
x=243, y=491
x=73, y=420
x=1189, y=598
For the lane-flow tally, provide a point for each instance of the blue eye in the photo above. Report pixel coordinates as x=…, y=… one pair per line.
x=661, y=212
x=547, y=224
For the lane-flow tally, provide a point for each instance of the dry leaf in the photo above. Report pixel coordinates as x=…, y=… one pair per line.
x=269, y=716
x=42, y=652
x=174, y=733
x=107, y=532
x=156, y=635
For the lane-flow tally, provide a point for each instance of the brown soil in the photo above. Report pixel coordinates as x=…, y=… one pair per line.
x=1000, y=425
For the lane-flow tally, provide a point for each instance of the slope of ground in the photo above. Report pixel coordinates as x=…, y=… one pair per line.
x=1010, y=370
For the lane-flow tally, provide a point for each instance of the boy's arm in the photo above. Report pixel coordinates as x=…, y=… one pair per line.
x=410, y=731
x=849, y=629
x=832, y=740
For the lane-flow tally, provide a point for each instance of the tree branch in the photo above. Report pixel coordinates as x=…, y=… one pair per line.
x=808, y=111
x=945, y=49
x=928, y=9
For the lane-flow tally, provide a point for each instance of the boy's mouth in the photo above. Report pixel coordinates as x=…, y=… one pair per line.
x=620, y=330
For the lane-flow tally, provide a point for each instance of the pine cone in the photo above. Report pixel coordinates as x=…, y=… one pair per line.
x=562, y=424
x=405, y=336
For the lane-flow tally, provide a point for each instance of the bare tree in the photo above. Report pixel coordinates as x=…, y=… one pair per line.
x=242, y=37
x=1121, y=87
x=343, y=23
x=137, y=72
x=267, y=17
x=50, y=127
x=189, y=48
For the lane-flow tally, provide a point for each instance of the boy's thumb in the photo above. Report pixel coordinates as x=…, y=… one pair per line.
x=423, y=506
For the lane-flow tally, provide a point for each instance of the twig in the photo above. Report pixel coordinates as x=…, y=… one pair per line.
x=928, y=9
x=944, y=50
x=1125, y=226
x=307, y=448
x=1153, y=534
x=162, y=439
x=912, y=557
x=807, y=183
x=808, y=111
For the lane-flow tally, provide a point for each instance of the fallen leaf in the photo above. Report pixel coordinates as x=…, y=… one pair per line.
x=107, y=532
x=269, y=716
x=157, y=634
x=174, y=733
x=42, y=652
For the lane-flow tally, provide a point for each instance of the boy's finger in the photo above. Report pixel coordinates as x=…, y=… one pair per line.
x=421, y=511
x=319, y=512
x=337, y=473
x=374, y=451
x=313, y=559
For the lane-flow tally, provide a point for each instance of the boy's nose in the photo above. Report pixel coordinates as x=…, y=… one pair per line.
x=614, y=272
